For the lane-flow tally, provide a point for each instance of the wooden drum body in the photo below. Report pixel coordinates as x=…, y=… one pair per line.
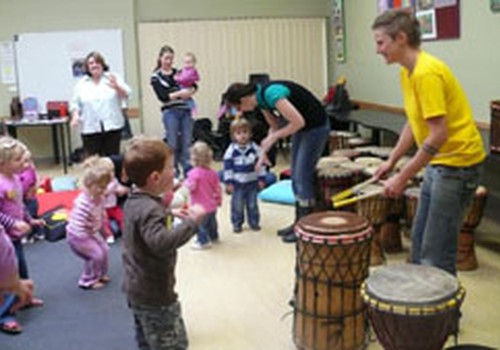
x=375, y=209
x=332, y=261
x=331, y=179
x=412, y=307
x=466, y=253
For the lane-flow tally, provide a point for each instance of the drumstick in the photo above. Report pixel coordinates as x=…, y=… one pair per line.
x=350, y=191
x=343, y=203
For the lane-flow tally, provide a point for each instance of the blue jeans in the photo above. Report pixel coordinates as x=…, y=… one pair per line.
x=179, y=134
x=159, y=327
x=445, y=195
x=208, y=230
x=245, y=196
x=307, y=147
x=21, y=259
x=5, y=314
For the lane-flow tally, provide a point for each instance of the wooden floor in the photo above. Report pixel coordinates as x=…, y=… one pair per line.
x=236, y=295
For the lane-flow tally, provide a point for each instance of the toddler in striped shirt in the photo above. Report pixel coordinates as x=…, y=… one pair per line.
x=86, y=222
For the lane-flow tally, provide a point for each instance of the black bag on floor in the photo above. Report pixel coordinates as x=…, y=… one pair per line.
x=55, y=223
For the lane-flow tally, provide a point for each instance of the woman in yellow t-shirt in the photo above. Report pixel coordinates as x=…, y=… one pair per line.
x=441, y=124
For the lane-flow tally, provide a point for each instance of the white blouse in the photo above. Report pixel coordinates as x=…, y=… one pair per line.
x=99, y=104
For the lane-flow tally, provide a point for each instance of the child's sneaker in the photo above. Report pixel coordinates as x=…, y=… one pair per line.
x=255, y=228
x=237, y=230
x=198, y=246
x=110, y=239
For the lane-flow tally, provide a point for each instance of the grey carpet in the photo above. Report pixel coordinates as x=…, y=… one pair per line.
x=72, y=318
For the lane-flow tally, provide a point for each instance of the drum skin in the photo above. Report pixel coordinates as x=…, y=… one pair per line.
x=332, y=261
x=412, y=307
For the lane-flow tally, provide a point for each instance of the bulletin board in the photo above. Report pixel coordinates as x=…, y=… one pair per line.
x=439, y=19
x=49, y=64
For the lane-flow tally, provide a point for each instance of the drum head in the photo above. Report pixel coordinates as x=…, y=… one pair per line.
x=411, y=285
x=412, y=192
x=331, y=223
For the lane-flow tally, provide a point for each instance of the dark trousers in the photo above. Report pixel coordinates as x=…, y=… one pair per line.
x=104, y=143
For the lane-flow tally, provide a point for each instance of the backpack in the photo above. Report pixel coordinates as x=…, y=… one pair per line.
x=55, y=223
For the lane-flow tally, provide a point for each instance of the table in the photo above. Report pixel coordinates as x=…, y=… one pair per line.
x=60, y=131
x=377, y=121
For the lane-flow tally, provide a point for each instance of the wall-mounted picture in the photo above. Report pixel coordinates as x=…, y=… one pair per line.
x=427, y=21
x=78, y=67
x=495, y=5
x=338, y=30
x=425, y=4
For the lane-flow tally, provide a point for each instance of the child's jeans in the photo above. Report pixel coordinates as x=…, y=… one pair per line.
x=208, y=229
x=245, y=196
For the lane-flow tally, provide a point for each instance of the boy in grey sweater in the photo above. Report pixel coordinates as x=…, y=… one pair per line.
x=150, y=246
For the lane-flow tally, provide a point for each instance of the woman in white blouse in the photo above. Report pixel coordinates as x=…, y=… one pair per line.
x=96, y=107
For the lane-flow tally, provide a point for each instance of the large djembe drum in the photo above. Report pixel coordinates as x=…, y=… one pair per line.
x=375, y=208
x=466, y=253
x=412, y=307
x=332, y=261
x=331, y=178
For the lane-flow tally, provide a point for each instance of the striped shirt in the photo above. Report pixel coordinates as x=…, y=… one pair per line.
x=87, y=216
x=239, y=164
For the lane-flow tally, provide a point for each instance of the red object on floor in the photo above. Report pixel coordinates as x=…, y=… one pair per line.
x=50, y=200
x=46, y=184
x=286, y=174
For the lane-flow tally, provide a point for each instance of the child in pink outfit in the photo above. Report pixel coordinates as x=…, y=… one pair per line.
x=205, y=190
x=188, y=77
x=29, y=183
x=86, y=222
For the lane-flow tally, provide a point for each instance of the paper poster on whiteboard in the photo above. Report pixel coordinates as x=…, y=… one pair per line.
x=49, y=64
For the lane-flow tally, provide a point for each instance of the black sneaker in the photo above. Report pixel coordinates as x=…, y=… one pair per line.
x=290, y=238
x=237, y=230
x=285, y=231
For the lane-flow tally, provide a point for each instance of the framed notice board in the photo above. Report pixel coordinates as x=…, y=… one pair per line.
x=439, y=19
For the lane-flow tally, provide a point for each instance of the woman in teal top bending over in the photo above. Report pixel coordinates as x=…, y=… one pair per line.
x=290, y=110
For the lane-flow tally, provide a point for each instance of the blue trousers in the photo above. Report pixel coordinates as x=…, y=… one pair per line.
x=245, y=197
x=208, y=230
x=445, y=195
x=178, y=125
x=307, y=147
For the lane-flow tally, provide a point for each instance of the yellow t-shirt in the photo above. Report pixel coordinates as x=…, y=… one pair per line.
x=432, y=91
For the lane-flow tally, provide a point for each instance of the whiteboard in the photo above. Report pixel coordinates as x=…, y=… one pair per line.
x=44, y=61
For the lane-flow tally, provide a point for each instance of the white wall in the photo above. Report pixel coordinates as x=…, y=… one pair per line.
x=474, y=57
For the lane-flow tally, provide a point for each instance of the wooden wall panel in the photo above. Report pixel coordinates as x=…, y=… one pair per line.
x=230, y=50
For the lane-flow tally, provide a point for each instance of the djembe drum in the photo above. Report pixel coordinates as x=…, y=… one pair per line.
x=338, y=139
x=390, y=231
x=412, y=307
x=331, y=178
x=375, y=209
x=411, y=194
x=332, y=261
x=466, y=254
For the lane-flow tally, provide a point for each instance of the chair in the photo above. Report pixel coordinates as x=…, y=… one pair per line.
x=259, y=78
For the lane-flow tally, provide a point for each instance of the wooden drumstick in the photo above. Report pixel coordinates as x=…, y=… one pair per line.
x=351, y=191
x=343, y=203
